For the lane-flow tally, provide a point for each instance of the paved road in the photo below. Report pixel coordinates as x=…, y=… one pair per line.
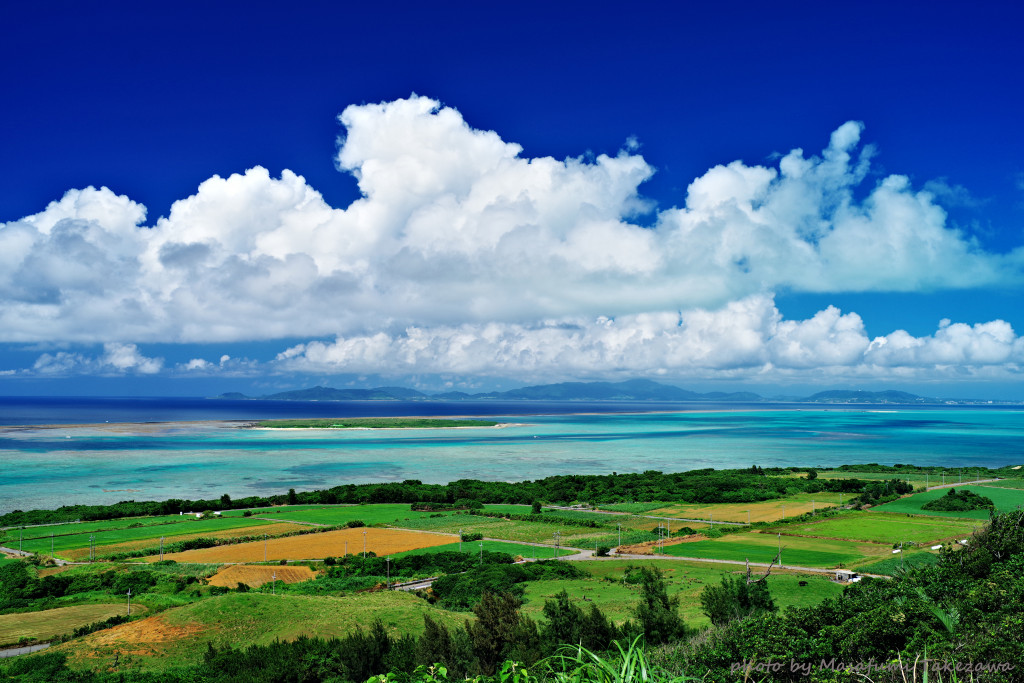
x=963, y=483
x=15, y=651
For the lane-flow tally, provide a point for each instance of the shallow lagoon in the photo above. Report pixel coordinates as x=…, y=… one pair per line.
x=48, y=467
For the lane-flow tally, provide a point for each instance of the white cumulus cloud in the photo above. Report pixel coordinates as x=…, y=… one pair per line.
x=461, y=252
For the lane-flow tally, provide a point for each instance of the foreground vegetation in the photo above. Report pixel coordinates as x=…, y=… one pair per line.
x=332, y=617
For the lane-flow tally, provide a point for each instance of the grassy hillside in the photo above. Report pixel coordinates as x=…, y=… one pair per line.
x=180, y=635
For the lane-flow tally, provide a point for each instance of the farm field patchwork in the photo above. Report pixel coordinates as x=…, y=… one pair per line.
x=185, y=526
x=315, y=546
x=1005, y=500
x=882, y=528
x=44, y=531
x=180, y=635
x=54, y=622
x=796, y=551
x=257, y=575
x=80, y=554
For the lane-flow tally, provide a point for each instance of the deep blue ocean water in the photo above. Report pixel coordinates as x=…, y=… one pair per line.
x=108, y=449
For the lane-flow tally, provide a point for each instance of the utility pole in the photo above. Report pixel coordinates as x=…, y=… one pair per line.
x=620, y=533
x=129, y=602
x=460, y=540
x=161, y=548
x=813, y=511
x=364, y=545
x=51, y=544
x=273, y=583
x=21, y=532
x=481, y=552
x=748, y=517
x=264, y=547
x=783, y=511
x=780, y=548
x=389, y=571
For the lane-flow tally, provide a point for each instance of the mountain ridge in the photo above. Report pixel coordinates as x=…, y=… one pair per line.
x=628, y=390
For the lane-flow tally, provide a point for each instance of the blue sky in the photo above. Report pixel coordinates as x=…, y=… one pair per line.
x=514, y=194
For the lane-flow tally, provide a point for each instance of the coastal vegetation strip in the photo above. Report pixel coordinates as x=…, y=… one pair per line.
x=372, y=423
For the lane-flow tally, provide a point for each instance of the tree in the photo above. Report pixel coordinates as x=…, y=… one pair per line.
x=536, y=507
x=657, y=614
x=292, y=498
x=735, y=598
x=497, y=623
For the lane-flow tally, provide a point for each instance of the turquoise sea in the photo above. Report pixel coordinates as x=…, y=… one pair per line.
x=45, y=467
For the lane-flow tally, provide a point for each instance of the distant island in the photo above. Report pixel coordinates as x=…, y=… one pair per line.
x=630, y=390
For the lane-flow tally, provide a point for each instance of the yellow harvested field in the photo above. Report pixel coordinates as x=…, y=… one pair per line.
x=254, y=576
x=317, y=546
x=764, y=511
x=78, y=554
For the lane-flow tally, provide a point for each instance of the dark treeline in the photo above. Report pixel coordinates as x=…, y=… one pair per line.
x=696, y=486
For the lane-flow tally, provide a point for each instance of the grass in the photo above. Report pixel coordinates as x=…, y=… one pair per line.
x=891, y=565
x=1005, y=500
x=384, y=513
x=151, y=544
x=688, y=579
x=796, y=551
x=634, y=508
x=882, y=528
x=54, y=622
x=513, y=549
x=1006, y=484
x=186, y=526
x=87, y=527
x=373, y=423
x=510, y=530
x=763, y=511
x=180, y=635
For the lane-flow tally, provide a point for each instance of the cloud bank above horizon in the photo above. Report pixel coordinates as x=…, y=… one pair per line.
x=462, y=256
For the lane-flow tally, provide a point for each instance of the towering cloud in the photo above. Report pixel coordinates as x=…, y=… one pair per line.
x=463, y=255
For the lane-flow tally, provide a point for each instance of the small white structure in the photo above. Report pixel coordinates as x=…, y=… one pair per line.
x=846, y=575
x=199, y=515
x=936, y=547
x=963, y=542
x=895, y=551
x=217, y=512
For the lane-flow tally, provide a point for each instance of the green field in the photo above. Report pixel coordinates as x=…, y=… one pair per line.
x=601, y=518
x=373, y=423
x=383, y=513
x=85, y=527
x=180, y=635
x=634, y=508
x=892, y=564
x=1005, y=500
x=618, y=600
x=510, y=530
x=185, y=526
x=55, y=622
x=513, y=549
x=796, y=551
x=882, y=528
x=1006, y=484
